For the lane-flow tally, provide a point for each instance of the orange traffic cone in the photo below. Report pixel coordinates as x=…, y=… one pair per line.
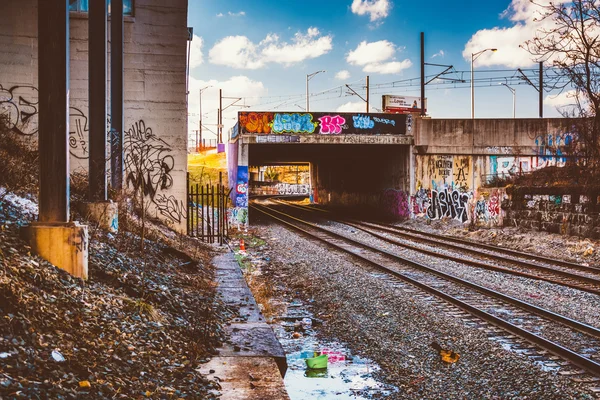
x=242, y=247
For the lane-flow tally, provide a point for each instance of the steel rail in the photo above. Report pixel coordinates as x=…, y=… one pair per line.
x=557, y=349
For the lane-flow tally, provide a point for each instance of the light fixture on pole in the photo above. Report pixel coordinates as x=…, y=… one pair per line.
x=473, y=58
x=514, y=92
x=308, y=78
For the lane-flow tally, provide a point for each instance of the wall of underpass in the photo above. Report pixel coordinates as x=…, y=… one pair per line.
x=460, y=165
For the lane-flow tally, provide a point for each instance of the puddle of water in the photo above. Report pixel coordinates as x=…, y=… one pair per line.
x=346, y=376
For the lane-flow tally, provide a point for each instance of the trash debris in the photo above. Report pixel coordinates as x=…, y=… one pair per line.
x=85, y=384
x=57, y=356
x=447, y=356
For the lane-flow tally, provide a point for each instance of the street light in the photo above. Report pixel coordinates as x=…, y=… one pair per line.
x=514, y=92
x=308, y=78
x=473, y=58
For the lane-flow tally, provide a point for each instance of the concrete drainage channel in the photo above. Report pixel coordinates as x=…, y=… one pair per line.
x=248, y=366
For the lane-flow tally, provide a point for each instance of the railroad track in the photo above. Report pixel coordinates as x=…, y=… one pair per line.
x=552, y=339
x=576, y=276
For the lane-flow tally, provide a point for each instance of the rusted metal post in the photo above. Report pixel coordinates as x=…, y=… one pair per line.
x=98, y=10
x=53, y=77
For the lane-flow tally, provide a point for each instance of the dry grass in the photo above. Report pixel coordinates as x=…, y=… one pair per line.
x=204, y=167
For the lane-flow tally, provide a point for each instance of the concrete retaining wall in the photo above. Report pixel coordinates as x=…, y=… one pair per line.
x=154, y=94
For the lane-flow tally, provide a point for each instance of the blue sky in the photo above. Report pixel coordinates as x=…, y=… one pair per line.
x=259, y=48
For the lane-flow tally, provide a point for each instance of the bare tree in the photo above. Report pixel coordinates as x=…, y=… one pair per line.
x=569, y=39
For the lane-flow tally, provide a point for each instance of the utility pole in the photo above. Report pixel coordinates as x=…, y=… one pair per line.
x=541, y=89
x=367, y=94
x=220, y=126
x=422, y=74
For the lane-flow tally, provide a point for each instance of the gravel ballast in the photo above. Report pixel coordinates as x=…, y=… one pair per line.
x=395, y=328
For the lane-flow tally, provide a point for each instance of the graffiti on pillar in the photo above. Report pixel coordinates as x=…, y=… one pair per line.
x=241, y=187
x=171, y=208
x=395, y=203
x=448, y=204
x=487, y=209
x=331, y=124
x=293, y=123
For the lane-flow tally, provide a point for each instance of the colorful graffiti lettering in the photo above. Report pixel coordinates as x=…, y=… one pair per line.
x=420, y=201
x=293, y=189
x=331, y=125
x=551, y=148
x=256, y=122
x=241, y=198
x=448, y=204
x=363, y=122
x=293, y=123
x=395, y=203
x=384, y=121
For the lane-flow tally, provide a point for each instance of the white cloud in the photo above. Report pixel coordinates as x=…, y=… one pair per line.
x=377, y=9
x=241, y=52
x=236, y=86
x=526, y=18
x=354, y=106
x=196, y=56
x=375, y=57
x=567, y=98
x=440, y=53
x=235, y=51
x=232, y=14
x=342, y=75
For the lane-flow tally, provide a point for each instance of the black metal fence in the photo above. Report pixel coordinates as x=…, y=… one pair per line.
x=207, y=211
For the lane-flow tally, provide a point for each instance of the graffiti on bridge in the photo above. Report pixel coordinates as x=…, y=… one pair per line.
x=293, y=189
x=321, y=123
x=293, y=123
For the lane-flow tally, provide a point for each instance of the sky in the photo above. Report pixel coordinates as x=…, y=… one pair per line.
x=262, y=51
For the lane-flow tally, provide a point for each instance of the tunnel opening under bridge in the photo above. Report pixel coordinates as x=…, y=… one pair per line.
x=357, y=179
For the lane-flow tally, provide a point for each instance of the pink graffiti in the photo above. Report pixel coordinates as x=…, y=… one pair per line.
x=395, y=203
x=494, y=205
x=331, y=125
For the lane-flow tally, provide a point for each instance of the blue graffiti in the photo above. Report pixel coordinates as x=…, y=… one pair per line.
x=293, y=123
x=384, y=121
x=363, y=122
x=551, y=146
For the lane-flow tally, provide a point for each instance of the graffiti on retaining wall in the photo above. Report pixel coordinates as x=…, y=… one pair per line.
x=322, y=123
x=19, y=106
x=420, y=201
x=445, y=172
x=452, y=205
x=395, y=203
x=551, y=148
x=487, y=207
x=238, y=216
x=293, y=189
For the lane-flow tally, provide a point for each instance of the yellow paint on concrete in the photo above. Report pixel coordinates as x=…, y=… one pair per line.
x=63, y=245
